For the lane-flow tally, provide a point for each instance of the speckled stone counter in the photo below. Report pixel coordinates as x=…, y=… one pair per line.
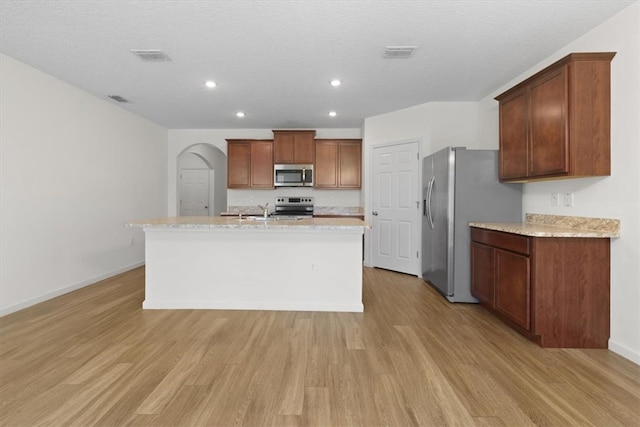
x=339, y=210
x=257, y=223
x=317, y=210
x=539, y=225
x=250, y=264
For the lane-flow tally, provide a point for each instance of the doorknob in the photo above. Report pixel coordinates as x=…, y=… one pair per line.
x=374, y=213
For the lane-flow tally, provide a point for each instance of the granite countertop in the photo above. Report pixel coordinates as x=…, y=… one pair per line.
x=227, y=222
x=338, y=210
x=539, y=225
x=317, y=210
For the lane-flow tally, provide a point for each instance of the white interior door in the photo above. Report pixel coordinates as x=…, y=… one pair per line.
x=194, y=192
x=396, y=208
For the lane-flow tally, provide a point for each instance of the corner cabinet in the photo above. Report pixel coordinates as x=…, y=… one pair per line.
x=556, y=124
x=338, y=163
x=553, y=290
x=293, y=146
x=249, y=163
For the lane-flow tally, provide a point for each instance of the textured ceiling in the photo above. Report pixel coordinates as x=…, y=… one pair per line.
x=274, y=59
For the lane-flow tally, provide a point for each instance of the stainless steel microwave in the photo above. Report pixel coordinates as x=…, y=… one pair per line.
x=293, y=175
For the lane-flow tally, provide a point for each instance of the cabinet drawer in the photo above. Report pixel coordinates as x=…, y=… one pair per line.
x=499, y=239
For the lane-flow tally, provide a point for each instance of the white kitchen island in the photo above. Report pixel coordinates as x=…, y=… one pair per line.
x=251, y=264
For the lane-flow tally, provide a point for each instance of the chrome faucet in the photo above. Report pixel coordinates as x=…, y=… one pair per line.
x=265, y=210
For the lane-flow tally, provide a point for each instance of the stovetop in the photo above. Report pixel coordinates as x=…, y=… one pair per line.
x=293, y=207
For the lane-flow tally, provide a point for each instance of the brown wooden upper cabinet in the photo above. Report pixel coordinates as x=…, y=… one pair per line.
x=338, y=163
x=556, y=124
x=293, y=146
x=249, y=163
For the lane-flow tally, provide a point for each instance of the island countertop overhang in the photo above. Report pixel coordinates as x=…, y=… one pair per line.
x=218, y=222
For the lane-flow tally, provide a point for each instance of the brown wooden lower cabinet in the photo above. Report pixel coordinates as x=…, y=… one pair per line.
x=553, y=290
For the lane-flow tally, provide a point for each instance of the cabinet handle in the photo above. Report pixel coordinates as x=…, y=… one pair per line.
x=374, y=213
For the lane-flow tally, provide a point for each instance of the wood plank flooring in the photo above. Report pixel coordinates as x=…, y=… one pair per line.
x=94, y=357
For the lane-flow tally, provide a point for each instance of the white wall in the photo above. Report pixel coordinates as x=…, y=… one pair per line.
x=435, y=125
x=180, y=139
x=74, y=169
x=617, y=196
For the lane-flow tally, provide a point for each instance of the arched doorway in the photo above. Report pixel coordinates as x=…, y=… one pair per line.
x=201, y=180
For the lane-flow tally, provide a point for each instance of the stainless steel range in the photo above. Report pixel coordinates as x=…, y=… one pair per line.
x=293, y=207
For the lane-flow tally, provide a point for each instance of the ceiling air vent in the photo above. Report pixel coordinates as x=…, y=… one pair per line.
x=118, y=98
x=399, y=52
x=151, y=55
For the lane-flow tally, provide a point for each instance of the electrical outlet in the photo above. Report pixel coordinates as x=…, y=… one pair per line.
x=567, y=200
x=131, y=241
x=312, y=268
x=555, y=199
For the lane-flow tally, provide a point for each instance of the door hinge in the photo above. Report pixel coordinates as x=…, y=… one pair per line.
x=417, y=156
x=417, y=254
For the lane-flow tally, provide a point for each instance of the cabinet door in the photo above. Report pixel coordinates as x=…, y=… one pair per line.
x=349, y=164
x=482, y=273
x=549, y=143
x=513, y=136
x=283, y=147
x=513, y=287
x=293, y=147
x=238, y=165
x=303, y=148
x=262, y=164
x=326, y=166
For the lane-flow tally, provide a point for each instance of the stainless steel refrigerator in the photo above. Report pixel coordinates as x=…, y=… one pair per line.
x=460, y=186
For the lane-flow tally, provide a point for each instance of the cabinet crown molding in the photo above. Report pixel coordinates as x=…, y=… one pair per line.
x=572, y=57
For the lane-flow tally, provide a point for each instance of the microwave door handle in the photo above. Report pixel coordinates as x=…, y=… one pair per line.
x=304, y=175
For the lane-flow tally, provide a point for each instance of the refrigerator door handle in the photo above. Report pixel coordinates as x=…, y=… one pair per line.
x=429, y=194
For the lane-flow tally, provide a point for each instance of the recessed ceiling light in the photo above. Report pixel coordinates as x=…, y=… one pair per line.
x=335, y=82
x=210, y=84
x=332, y=113
x=240, y=114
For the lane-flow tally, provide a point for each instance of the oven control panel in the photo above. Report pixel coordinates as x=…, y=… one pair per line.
x=294, y=201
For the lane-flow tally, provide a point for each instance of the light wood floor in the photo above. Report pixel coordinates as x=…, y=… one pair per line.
x=94, y=357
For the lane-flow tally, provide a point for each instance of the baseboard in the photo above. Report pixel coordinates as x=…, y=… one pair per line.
x=49, y=295
x=251, y=305
x=625, y=352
